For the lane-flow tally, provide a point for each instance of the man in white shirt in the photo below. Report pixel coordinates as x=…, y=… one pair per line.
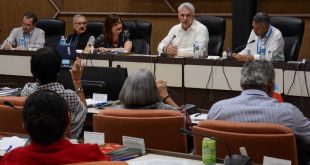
x=263, y=34
x=181, y=37
x=34, y=37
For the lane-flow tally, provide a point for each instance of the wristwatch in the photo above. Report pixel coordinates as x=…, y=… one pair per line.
x=79, y=89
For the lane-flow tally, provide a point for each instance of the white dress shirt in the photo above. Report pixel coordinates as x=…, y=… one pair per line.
x=185, y=40
x=35, y=39
x=273, y=41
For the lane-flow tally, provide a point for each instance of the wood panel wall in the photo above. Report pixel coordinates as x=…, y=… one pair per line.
x=155, y=11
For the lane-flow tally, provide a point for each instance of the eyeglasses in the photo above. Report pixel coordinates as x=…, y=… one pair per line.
x=80, y=23
x=26, y=25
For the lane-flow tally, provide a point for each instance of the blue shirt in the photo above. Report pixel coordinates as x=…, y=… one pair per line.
x=257, y=106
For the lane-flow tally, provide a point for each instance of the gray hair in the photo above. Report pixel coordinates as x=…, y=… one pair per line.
x=262, y=17
x=188, y=6
x=75, y=17
x=257, y=75
x=139, y=90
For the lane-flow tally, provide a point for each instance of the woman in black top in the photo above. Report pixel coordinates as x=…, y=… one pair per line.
x=114, y=36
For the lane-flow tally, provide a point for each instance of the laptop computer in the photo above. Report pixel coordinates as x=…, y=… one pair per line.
x=68, y=55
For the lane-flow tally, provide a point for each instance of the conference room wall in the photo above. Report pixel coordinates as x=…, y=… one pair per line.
x=155, y=11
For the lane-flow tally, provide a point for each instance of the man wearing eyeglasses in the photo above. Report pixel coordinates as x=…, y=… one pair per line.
x=80, y=38
x=34, y=37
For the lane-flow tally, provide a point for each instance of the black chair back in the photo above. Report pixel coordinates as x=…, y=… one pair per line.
x=140, y=34
x=95, y=27
x=53, y=29
x=216, y=27
x=292, y=30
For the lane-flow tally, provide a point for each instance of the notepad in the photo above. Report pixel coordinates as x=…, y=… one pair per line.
x=13, y=141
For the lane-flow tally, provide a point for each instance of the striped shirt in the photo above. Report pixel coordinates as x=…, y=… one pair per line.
x=257, y=106
x=77, y=109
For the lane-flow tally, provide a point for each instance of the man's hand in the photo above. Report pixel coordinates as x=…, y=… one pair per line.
x=240, y=57
x=6, y=45
x=172, y=50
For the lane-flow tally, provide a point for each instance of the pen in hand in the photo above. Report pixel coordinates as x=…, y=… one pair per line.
x=8, y=149
x=198, y=114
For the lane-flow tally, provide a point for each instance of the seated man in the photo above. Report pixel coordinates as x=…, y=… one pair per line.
x=46, y=119
x=45, y=66
x=181, y=37
x=34, y=37
x=80, y=37
x=256, y=105
x=263, y=34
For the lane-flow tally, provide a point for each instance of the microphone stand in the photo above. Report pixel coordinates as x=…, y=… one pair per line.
x=229, y=159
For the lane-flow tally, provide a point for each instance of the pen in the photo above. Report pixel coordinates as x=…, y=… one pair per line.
x=9, y=148
x=129, y=157
x=198, y=114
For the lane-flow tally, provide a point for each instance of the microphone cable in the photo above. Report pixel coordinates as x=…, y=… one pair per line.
x=305, y=75
x=294, y=77
x=224, y=73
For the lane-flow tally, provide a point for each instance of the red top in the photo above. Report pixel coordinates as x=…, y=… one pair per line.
x=61, y=152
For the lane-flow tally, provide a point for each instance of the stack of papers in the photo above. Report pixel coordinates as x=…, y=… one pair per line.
x=95, y=103
x=6, y=91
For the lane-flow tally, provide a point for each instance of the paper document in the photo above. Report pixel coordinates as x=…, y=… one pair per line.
x=198, y=117
x=7, y=91
x=11, y=143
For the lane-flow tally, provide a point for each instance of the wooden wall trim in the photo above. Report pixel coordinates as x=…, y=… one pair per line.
x=170, y=6
x=71, y=13
x=227, y=15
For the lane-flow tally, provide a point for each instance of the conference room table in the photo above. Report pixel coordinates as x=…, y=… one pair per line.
x=193, y=81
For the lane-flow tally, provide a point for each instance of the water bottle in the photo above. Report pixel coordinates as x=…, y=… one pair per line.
x=262, y=52
x=196, y=50
x=62, y=41
x=22, y=41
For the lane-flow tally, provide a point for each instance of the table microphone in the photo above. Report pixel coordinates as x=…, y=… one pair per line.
x=165, y=54
x=243, y=45
x=229, y=159
x=9, y=104
x=119, y=70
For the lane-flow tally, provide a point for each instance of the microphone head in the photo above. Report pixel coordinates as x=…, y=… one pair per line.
x=251, y=41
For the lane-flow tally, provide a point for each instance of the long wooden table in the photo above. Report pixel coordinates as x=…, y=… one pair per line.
x=196, y=81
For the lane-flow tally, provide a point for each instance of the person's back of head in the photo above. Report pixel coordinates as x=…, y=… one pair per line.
x=258, y=75
x=139, y=89
x=45, y=65
x=45, y=116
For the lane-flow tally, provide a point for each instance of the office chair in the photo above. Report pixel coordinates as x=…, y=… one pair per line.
x=140, y=34
x=259, y=139
x=95, y=27
x=11, y=120
x=216, y=27
x=158, y=128
x=292, y=30
x=53, y=29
